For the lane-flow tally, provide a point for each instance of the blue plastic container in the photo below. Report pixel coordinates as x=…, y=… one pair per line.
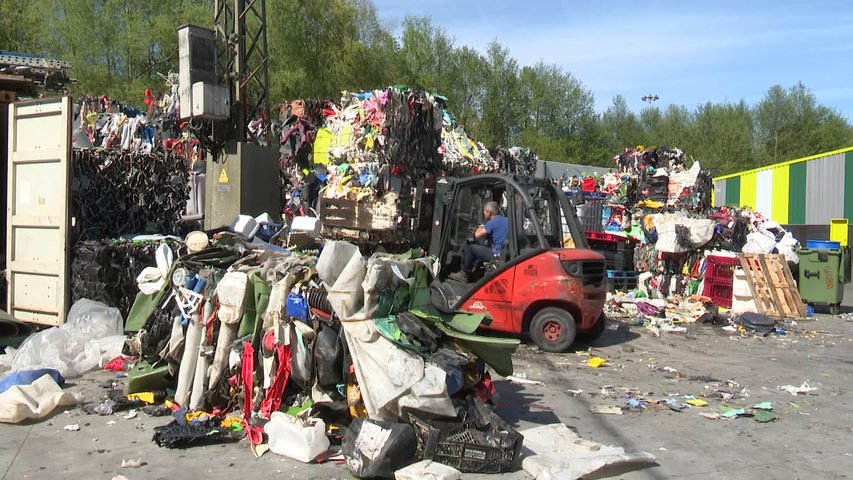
x=824, y=244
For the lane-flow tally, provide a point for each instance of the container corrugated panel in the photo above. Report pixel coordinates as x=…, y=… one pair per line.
x=824, y=190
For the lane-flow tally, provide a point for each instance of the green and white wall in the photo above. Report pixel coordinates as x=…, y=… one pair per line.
x=805, y=191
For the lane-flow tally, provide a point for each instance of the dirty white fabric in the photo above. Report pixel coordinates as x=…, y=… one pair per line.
x=35, y=400
x=555, y=452
x=701, y=231
x=389, y=377
x=231, y=291
x=428, y=470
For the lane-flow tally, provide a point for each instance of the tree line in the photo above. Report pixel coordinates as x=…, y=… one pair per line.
x=320, y=47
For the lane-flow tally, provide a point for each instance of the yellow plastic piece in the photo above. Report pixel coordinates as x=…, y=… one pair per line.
x=596, y=362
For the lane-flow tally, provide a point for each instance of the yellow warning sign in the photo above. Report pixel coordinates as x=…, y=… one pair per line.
x=223, y=177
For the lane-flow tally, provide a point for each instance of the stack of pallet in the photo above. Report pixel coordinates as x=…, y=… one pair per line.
x=772, y=286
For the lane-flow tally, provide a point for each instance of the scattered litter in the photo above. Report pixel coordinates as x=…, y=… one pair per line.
x=605, y=409
x=675, y=405
x=763, y=416
x=574, y=393
x=710, y=416
x=111, y=423
x=120, y=477
x=803, y=389
x=733, y=413
x=523, y=381
x=72, y=427
x=596, y=362
x=131, y=463
x=131, y=415
x=730, y=329
x=697, y=402
x=763, y=406
x=557, y=452
x=669, y=369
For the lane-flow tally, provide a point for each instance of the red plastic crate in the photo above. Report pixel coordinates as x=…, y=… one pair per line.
x=720, y=295
x=720, y=270
x=606, y=237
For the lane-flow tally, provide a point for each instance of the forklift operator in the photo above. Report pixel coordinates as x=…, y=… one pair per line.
x=495, y=229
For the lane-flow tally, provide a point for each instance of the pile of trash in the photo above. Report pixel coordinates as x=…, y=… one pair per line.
x=665, y=245
x=382, y=149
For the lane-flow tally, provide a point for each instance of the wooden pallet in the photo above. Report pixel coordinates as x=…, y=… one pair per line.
x=772, y=285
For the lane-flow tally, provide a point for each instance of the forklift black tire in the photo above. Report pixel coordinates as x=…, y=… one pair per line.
x=553, y=329
x=834, y=309
x=591, y=334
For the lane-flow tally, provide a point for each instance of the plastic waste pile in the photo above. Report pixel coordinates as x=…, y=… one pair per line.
x=300, y=352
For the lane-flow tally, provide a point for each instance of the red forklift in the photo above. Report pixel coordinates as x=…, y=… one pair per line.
x=546, y=283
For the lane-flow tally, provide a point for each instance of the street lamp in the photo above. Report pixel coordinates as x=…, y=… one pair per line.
x=650, y=98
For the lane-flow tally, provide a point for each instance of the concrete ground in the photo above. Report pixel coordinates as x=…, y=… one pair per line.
x=810, y=438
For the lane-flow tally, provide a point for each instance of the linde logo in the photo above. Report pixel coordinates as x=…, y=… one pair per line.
x=478, y=305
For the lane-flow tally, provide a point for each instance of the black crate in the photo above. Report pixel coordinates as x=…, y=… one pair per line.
x=469, y=445
x=622, y=281
x=619, y=255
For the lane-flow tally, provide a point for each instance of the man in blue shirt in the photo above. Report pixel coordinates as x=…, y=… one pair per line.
x=496, y=230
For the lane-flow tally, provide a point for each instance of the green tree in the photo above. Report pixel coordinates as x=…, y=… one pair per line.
x=723, y=137
x=621, y=127
x=501, y=113
x=21, y=26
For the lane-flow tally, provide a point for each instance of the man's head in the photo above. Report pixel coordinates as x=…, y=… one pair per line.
x=491, y=210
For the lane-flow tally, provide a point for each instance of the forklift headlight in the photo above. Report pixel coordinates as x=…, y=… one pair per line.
x=573, y=268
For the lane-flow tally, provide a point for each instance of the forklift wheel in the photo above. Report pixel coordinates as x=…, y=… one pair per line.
x=553, y=329
x=591, y=334
x=834, y=309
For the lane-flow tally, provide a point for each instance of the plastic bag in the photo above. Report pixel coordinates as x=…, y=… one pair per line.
x=75, y=347
x=374, y=448
x=288, y=437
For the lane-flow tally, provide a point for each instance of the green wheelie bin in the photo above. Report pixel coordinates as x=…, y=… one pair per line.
x=823, y=273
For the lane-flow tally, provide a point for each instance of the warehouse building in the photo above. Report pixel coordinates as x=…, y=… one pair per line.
x=805, y=194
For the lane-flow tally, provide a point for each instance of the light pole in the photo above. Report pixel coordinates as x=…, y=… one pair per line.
x=650, y=98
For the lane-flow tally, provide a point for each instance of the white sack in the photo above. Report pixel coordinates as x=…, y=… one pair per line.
x=701, y=231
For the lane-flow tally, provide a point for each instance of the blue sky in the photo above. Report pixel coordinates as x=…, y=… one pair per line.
x=686, y=52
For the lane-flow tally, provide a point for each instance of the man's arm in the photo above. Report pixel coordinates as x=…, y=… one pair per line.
x=481, y=232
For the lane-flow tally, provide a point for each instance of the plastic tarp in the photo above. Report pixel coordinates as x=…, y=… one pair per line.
x=390, y=378
x=555, y=452
x=35, y=400
x=92, y=336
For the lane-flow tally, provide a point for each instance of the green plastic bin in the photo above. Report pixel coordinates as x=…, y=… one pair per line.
x=822, y=275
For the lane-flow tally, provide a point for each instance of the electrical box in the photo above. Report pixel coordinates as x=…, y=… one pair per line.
x=211, y=102
x=196, y=63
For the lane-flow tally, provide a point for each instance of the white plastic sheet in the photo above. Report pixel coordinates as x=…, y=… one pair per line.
x=559, y=453
x=428, y=470
x=75, y=347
